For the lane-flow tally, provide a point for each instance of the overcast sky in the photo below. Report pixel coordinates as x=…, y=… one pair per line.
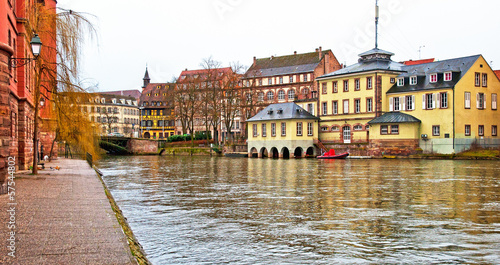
x=169, y=36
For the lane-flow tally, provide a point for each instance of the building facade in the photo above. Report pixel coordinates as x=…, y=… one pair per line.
x=112, y=113
x=283, y=130
x=17, y=81
x=157, y=117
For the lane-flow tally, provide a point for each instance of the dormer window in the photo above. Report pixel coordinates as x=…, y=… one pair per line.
x=103, y=100
x=447, y=76
x=413, y=80
x=114, y=101
x=280, y=111
x=401, y=81
x=434, y=78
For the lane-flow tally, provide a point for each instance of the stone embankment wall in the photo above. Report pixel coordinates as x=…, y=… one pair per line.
x=141, y=146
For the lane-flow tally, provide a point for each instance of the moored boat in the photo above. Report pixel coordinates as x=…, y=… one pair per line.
x=331, y=155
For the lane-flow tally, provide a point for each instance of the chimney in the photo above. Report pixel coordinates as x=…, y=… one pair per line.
x=320, y=52
x=254, y=60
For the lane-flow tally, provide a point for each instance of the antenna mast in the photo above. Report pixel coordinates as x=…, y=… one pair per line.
x=376, y=24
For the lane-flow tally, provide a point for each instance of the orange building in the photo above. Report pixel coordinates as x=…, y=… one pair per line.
x=17, y=80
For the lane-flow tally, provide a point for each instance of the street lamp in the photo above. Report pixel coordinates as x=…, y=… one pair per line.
x=36, y=46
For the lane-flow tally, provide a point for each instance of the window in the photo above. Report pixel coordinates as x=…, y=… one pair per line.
x=395, y=129
x=413, y=80
x=481, y=101
x=281, y=80
x=435, y=130
x=480, y=130
x=393, y=80
x=310, y=129
x=273, y=129
x=401, y=81
x=310, y=108
x=433, y=78
x=346, y=85
x=260, y=82
x=447, y=76
x=324, y=108
x=493, y=130
x=254, y=126
x=467, y=130
x=443, y=101
x=369, y=104
x=335, y=107
x=269, y=81
x=264, y=130
x=410, y=102
x=384, y=129
x=305, y=78
x=283, y=129
x=299, y=128
x=323, y=88
x=428, y=101
x=356, y=84
x=335, y=87
x=397, y=104
x=281, y=95
x=477, y=80
x=324, y=129
x=291, y=94
x=335, y=128
x=369, y=83
x=358, y=128
x=467, y=100
x=493, y=101
x=291, y=79
x=357, y=105
x=270, y=95
x=485, y=80
x=346, y=106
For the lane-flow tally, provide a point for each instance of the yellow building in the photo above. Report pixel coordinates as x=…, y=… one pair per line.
x=157, y=111
x=351, y=97
x=398, y=109
x=283, y=130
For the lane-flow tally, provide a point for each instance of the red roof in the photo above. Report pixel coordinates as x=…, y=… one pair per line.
x=497, y=72
x=412, y=62
x=190, y=73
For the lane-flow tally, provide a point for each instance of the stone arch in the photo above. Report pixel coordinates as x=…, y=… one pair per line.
x=274, y=153
x=263, y=152
x=310, y=152
x=147, y=135
x=285, y=153
x=298, y=152
x=253, y=153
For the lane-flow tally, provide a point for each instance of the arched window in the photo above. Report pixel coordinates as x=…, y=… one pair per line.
x=291, y=94
x=270, y=95
x=281, y=95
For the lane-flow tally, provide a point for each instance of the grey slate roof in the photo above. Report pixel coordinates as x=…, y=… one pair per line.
x=289, y=111
x=394, y=117
x=375, y=59
x=458, y=67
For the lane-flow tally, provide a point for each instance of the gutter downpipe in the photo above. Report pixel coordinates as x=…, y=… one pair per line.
x=453, y=119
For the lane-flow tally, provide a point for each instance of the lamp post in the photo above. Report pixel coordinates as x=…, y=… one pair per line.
x=36, y=46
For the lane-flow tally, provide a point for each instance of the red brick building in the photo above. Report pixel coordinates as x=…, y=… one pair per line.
x=17, y=82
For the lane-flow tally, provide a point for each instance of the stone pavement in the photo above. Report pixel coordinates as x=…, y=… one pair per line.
x=61, y=217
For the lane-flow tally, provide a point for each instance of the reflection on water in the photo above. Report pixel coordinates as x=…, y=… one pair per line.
x=193, y=210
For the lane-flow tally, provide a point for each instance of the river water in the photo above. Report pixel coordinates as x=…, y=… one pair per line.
x=203, y=210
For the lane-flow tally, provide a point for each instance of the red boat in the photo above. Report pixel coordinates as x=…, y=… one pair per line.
x=331, y=155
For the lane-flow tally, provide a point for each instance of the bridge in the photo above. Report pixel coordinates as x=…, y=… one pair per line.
x=126, y=145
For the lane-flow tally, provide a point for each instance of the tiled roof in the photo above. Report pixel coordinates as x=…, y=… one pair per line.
x=458, y=67
x=283, y=65
x=414, y=62
x=131, y=93
x=394, y=117
x=201, y=72
x=282, y=111
x=155, y=91
x=497, y=72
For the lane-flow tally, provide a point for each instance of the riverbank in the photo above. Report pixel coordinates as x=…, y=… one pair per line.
x=61, y=217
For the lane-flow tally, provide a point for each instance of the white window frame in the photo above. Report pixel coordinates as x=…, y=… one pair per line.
x=324, y=108
x=467, y=100
x=254, y=128
x=310, y=131
x=283, y=129
x=299, y=128
x=357, y=106
x=369, y=82
x=357, y=84
x=345, y=104
x=410, y=102
x=291, y=94
x=494, y=101
x=273, y=129
x=264, y=130
x=369, y=105
x=443, y=100
x=436, y=130
x=433, y=78
x=335, y=107
x=401, y=81
x=481, y=101
x=281, y=95
x=448, y=76
x=413, y=80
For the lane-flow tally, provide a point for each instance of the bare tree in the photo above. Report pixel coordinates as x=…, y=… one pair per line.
x=231, y=100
